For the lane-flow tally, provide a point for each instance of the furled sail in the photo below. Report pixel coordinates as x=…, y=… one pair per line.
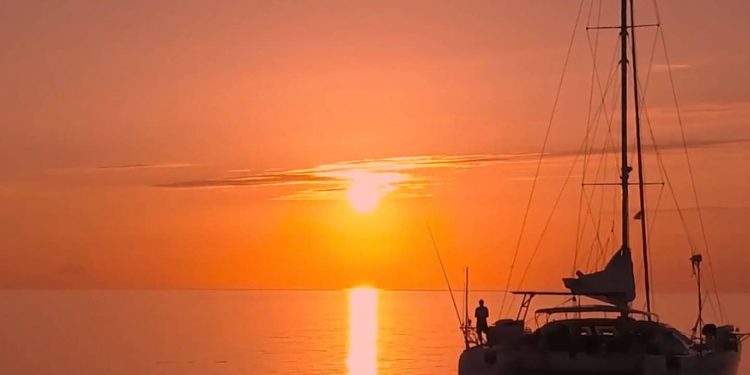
x=614, y=284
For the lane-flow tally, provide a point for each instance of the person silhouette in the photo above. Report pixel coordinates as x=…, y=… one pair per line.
x=481, y=313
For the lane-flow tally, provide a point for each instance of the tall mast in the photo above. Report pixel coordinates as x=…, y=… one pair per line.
x=641, y=194
x=625, y=169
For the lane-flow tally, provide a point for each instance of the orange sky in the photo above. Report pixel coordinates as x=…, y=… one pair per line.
x=151, y=144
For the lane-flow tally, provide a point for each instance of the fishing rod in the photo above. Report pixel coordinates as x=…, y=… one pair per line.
x=445, y=275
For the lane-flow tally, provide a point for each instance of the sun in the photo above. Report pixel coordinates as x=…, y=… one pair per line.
x=366, y=189
x=363, y=196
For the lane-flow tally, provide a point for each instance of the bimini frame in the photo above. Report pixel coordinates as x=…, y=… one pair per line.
x=528, y=296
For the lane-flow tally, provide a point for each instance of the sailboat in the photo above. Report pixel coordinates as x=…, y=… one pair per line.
x=608, y=336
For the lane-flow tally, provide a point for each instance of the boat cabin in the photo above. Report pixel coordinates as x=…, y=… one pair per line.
x=610, y=335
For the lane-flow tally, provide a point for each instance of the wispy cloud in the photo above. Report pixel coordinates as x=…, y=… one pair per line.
x=145, y=166
x=665, y=67
x=711, y=112
x=122, y=167
x=402, y=177
x=732, y=107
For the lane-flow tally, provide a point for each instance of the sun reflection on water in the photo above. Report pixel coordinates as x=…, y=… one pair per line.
x=363, y=331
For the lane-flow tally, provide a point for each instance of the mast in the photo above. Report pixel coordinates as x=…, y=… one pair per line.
x=625, y=169
x=641, y=194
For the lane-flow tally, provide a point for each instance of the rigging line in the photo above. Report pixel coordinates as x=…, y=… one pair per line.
x=580, y=231
x=549, y=220
x=445, y=274
x=601, y=110
x=687, y=158
x=588, y=257
x=641, y=91
x=541, y=154
x=609, y=141
x=600, y=250
x=710, y=303
x=592, y=246
x=692, y=176
x=603, y=255
x=602, y=161
x=589, y=145
x=604, y=91
x=596, y=223
x=595, y=78
x=662, y=166
x=645, y=85
x=668, y=181
x=644, y=110
x=588, y=16
x=639, y=148
x=656, y=210
x=596, y=243
x=665, y=175
x=655, y=214
x=679, y=210
x=657, y=13
x=610, y=239
x=650, y=231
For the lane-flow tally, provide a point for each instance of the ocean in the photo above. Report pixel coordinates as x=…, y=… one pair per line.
x=356, y=332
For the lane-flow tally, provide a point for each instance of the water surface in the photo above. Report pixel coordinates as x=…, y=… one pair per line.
x=358, y=332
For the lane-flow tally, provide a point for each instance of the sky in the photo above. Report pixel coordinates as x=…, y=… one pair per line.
x=316, y=144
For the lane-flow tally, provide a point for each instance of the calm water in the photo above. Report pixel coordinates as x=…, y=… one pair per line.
x=360, y=332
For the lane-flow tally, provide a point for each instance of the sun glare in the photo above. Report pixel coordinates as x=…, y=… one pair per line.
x=367, y=189
x=363, y=331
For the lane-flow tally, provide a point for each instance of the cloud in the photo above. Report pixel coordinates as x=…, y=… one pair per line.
x=702, y=143
x=145, y=166
x=706, y=208
x=665, y=67
x=733, y=108
x=716, y=114
x=401, y=177
x=121, y=167
x=262, y=179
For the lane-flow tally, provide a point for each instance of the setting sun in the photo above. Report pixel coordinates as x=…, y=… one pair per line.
x=366, y=188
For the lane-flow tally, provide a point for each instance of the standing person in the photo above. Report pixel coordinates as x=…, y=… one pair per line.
x=481, y=313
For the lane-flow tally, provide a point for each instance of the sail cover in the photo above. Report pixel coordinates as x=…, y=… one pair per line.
x=614, y=284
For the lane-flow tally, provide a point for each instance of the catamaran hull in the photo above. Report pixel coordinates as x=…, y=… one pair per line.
x=483, y=361
x=486, y=361
x=721, y=363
